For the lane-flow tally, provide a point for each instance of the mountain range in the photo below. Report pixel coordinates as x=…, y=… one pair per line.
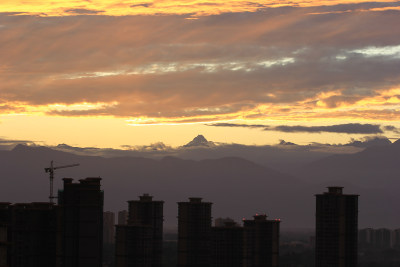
x=238, y=187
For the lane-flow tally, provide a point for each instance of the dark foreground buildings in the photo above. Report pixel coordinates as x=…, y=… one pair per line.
x=140, y=241
x=48, y=235
x=108, y=228
x=336, y=229
x=256, y=244
x=70, y=234
x=81, y=223
x=261, y=242
x=194, y=233
x=133, y=246
x=28, y=234
x=227, y=244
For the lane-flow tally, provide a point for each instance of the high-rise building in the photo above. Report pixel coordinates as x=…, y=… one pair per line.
x=226, y=244
x=194, y=233
x=4, y=237
x=366, y=238
x=139, y=242
x=383, y=238
x=3, y=246
x=261, y=242
x=28, y=234
x=134, y=246
x=108, y=227
x=336, y=229
x=376, y=238
x=396, y=238
x=148, y=212
x=122, y=217
x=80, y=223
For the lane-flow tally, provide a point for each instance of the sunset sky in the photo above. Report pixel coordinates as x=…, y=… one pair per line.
x=109, y=73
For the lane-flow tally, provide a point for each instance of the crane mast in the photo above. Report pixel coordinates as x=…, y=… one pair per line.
x=51, y=170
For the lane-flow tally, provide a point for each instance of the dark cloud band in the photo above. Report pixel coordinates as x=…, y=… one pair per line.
x=349, y=128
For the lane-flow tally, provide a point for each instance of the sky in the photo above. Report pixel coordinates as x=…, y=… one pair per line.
x=105, y=73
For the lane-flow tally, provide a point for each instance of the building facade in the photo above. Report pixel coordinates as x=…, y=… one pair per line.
x=108, y=227
x=122, y=217
x=28, y=234
x=194, y=233
x=261, y=242
x=149, y=212
x=336, y=234
x=139, y=242
x=80, y=238
x=4, y=238
x=134, y=246
x=226, y=244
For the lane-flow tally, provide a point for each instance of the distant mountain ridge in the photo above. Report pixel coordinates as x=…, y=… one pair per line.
x=237, y=187
x=285, y=157
x=382, y=161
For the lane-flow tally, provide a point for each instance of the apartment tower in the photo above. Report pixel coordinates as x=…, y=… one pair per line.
x=194, y=233
x=261, y=242
x=227, y=244
x=108, y=227
x=336, y=229
x=140, y=241
x=80, y=223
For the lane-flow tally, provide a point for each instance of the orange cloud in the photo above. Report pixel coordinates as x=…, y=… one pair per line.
x=279, y=64
x=124, y=8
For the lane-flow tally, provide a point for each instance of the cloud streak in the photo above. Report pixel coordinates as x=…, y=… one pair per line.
x=349, y=128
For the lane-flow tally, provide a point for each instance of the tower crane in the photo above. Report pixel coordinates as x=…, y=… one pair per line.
x=51, y=170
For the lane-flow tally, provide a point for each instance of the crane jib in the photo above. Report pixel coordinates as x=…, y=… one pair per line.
x=51, y=171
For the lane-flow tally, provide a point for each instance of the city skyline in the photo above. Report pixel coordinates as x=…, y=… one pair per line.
x=165, y=71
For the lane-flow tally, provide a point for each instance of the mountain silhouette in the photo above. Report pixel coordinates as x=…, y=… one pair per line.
x=373, y=173
x=199, y=141
x=371, y=167
x=237, y=187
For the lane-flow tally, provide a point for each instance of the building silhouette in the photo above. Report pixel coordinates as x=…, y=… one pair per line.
x=80, y=220
x=3, y=245
x=4, y=237
x=123, y=217
x=336, y=229
x=148, y=212
x=396, y=238
x=366, y=238
x=381, y=238
x=28, y=234
x=133, y=246
x=194, y=233
x=226, y=244
x=140, y=241
x=108, y=227
x=261, y=242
